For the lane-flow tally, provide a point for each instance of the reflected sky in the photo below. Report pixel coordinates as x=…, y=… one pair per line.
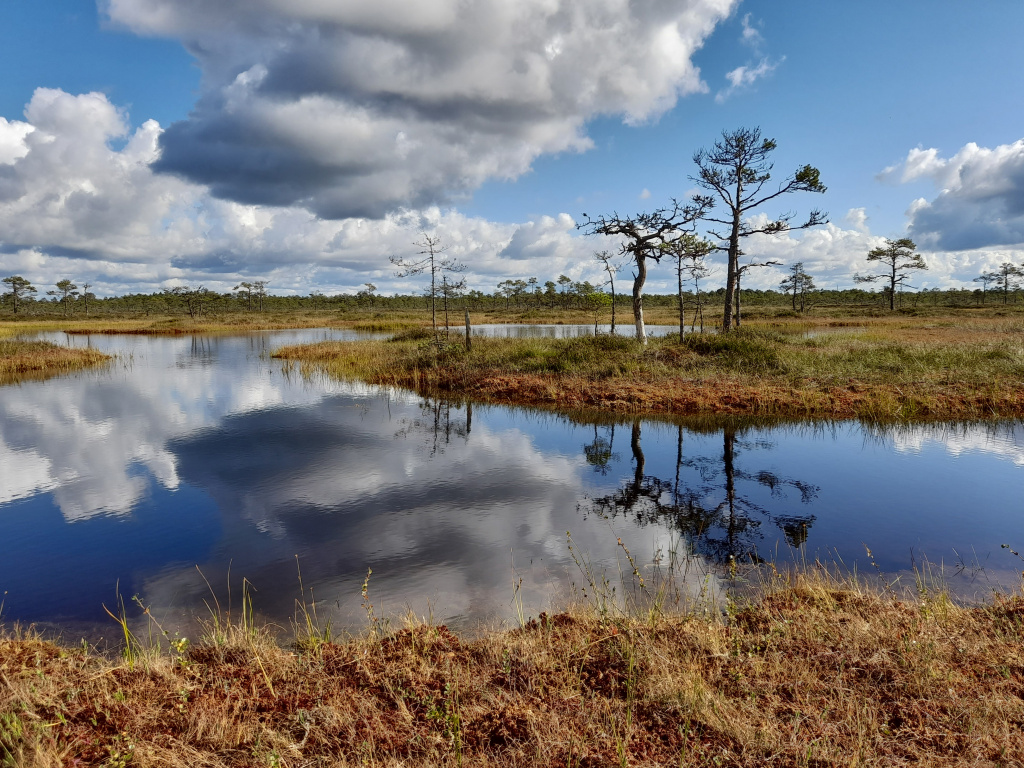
x=203, y=451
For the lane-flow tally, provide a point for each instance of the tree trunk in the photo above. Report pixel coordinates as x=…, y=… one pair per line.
x=738, y=289
x=433, y=296
x=638, y=457
x=728, y=453
x=611, y=279
x=444, y=287
x=638, y=302
x=732, y=273
x=682, y=315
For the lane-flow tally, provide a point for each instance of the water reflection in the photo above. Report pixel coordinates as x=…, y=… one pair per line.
x=710, y=507
x=206, y=452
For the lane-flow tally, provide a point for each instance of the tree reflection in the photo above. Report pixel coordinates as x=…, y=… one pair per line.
x=712, y=501
x=599, y=453
x=441, y=421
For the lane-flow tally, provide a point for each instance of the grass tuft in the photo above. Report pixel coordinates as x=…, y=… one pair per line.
x=888, y=369
x=805, y=667
x=29, y=360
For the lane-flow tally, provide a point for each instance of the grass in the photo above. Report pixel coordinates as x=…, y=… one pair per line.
x=807, y=670
x=25, y=360
x=889, y=368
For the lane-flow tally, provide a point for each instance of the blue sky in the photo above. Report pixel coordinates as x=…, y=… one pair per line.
x=150, y=143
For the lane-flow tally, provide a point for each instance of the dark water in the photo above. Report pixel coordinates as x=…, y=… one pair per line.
x=205, y=452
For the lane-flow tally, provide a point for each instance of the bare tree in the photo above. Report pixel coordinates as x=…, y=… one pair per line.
x=689, y=252
x=450, y=289
x=611, y=267
x=19, y=288
x=645, y=236
x=433, y=261
x=736, y=170
x=899, y=259
x=86, y=296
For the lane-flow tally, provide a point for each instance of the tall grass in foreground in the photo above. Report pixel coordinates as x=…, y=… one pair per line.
x=801, y=667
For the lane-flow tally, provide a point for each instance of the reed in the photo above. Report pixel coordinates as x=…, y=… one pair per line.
x=26, y=360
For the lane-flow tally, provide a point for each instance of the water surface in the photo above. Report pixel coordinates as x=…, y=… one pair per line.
x=203, y=451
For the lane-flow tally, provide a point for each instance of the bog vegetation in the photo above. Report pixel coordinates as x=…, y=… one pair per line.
x=881, y=369
x=801, y=668
x=24, y=360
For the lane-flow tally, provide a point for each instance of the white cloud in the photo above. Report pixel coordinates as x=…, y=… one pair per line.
x=746, y=76
x=355, y=109
x=1005, y=443
x=86, y=439
x=93, y=210
x=980, y=203
x=858, y=219
x=83, y=208
x=832, y=255
x=751, y=35
x=12, y=140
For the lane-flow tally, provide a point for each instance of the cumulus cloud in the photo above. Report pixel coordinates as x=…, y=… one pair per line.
x=12, y=140
x=858, y=219
x=832, y=254
x=79, y=199
x=355, y=110
x=980, y=203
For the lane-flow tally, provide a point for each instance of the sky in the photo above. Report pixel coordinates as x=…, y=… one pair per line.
x=147, y=144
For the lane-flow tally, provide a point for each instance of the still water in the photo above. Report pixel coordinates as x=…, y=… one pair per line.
x=192, y=463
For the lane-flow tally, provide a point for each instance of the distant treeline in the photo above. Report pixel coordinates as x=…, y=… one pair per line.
x=511, y=296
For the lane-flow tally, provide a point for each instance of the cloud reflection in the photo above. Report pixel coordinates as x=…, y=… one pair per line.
x=218, y=457
x=100, y=440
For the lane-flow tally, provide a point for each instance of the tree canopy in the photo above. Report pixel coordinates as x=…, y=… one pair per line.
x=737, y=171
x=900, y=261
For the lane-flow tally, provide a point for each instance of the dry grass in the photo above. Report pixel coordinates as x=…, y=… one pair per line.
x=24, y=360
x=892, y=368
x=811, y=671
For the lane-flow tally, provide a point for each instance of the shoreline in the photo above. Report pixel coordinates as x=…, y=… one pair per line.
x=966, y=365
x=868, y=374
x=811, y=670
x=34, y=360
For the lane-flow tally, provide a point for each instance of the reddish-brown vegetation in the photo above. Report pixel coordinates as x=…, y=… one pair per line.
x=809, y=674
